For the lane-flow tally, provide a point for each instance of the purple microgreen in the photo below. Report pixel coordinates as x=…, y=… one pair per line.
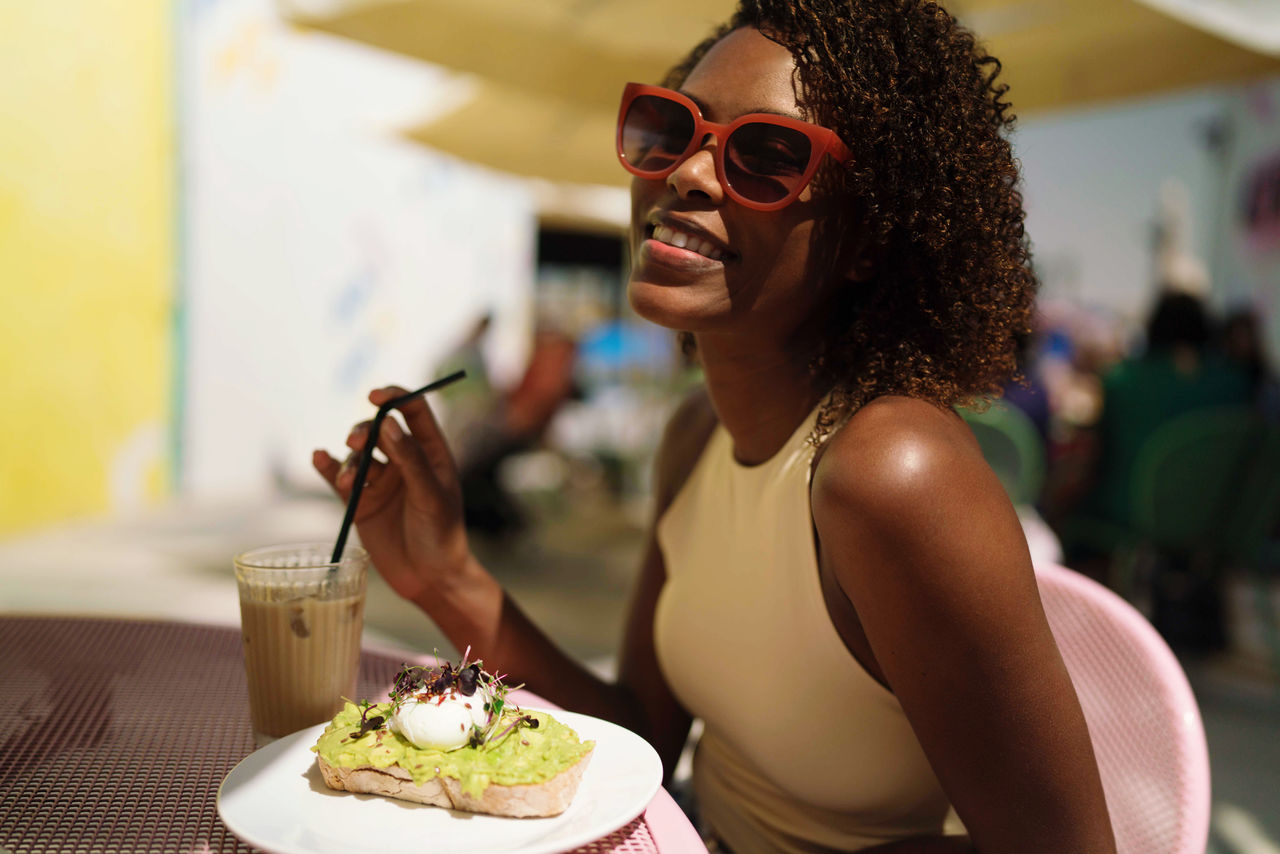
x=468, y=680
x=368, y=724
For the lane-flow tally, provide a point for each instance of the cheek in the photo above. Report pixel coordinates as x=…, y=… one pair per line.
x=782, y=255
x=789, y=286
x=644, y=195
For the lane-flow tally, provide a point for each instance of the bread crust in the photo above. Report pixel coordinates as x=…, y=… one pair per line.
x=534, y=800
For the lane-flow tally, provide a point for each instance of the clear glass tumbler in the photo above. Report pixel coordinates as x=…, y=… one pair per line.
x=301, y=618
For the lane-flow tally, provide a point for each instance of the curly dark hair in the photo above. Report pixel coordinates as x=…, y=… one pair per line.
x=932, y=182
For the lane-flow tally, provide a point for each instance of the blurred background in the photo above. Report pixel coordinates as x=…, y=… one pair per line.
x=222, y=222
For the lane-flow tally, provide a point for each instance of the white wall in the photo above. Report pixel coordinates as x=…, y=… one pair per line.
x=322, y=255
x=1092, y=186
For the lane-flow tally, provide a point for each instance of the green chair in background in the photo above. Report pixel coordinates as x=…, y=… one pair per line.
x=1012, y=447
x=1252, y=542
x=1187, y=476
x=1188, y=481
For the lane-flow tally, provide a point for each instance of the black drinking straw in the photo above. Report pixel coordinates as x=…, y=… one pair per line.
x=365, y=458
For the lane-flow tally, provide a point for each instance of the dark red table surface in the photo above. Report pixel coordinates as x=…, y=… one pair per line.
x=115, y=735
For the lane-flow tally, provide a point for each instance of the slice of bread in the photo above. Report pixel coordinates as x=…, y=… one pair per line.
x=522, y=801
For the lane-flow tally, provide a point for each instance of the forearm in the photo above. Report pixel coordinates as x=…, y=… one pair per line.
x=473, y=610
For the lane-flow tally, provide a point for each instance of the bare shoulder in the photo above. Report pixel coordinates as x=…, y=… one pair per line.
x=686, y=434
x=923, y=540
x=903, y=497
x=896, y=452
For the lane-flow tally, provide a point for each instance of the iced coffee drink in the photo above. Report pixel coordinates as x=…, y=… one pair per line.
x=300, y=619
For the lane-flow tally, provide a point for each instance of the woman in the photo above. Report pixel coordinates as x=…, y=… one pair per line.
x=835, y=582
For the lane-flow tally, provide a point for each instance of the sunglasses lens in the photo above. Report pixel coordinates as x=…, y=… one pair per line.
x=766, y=162
x=655, y=132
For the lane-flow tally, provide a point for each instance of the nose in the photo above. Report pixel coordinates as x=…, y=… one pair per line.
x=696, y=177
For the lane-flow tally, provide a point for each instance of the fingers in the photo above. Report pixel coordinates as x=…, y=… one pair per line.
x=327, y=466
x=419, y=459
x=340, y=476
x=425, y=429
x=358, y=436
x=380, y=396
x=380, y=479
x=407, y=455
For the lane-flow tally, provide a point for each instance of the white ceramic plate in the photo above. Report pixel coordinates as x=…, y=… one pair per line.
x=276, y=800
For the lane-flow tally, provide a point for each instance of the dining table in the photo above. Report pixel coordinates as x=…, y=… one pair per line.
x=116, y=733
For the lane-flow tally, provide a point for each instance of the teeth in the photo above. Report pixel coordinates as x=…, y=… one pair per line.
x=668, y=235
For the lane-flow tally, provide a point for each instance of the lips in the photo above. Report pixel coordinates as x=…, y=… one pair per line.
x=689, y=238
x=683, y=240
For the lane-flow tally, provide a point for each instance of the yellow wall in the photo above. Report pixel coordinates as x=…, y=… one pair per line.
x=86, y=256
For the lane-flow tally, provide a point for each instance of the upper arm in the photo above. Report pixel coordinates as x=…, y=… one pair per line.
x=923, y=540
x=667, y=723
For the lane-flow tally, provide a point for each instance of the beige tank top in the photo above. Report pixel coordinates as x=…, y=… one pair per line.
x=802, y=750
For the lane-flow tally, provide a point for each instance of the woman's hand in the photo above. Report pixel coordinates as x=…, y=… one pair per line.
x=410, y=514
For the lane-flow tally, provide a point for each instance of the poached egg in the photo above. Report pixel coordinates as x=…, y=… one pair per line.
x=441, y=721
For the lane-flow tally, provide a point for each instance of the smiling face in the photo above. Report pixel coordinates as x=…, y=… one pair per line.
x=702, y=262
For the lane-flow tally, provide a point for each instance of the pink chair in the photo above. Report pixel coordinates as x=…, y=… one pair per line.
x=1142, y=716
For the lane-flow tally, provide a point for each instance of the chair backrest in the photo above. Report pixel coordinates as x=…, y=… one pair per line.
x=1143, y=719
x=1187, y=474
x=1012, y=447
x=1254, y=519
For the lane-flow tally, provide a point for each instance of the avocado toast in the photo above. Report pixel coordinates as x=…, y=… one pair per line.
x=447, y=737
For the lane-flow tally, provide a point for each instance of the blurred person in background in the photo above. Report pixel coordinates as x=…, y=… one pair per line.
x=835, y=582
x=464, y=406
x=1079, y=346
x=1177, y=371
x=1242, y=344
x=1027, y=391
x=514, y=421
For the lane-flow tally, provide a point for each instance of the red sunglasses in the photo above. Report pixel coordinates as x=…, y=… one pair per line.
x=762, y=160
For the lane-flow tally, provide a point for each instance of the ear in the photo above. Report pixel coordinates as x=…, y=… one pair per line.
x=859, y=259
x=863, y=267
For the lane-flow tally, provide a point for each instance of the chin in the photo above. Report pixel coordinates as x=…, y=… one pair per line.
x=675, y=308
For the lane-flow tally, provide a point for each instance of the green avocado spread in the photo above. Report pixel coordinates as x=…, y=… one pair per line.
x=523, y=756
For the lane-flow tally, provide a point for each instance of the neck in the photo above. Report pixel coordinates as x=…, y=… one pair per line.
x=760, y=396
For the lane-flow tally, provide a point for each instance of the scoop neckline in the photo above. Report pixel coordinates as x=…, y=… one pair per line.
x=805, y=426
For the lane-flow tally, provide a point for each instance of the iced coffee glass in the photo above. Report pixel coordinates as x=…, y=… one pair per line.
x=300, y=619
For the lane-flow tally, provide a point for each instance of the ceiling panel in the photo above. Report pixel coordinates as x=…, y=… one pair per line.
x=1254, y=24
x=552, y=70
x=580, y=51
x=1077, y=52
x=511, y=130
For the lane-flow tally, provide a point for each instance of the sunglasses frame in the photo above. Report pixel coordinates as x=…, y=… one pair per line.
x=823, y=141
